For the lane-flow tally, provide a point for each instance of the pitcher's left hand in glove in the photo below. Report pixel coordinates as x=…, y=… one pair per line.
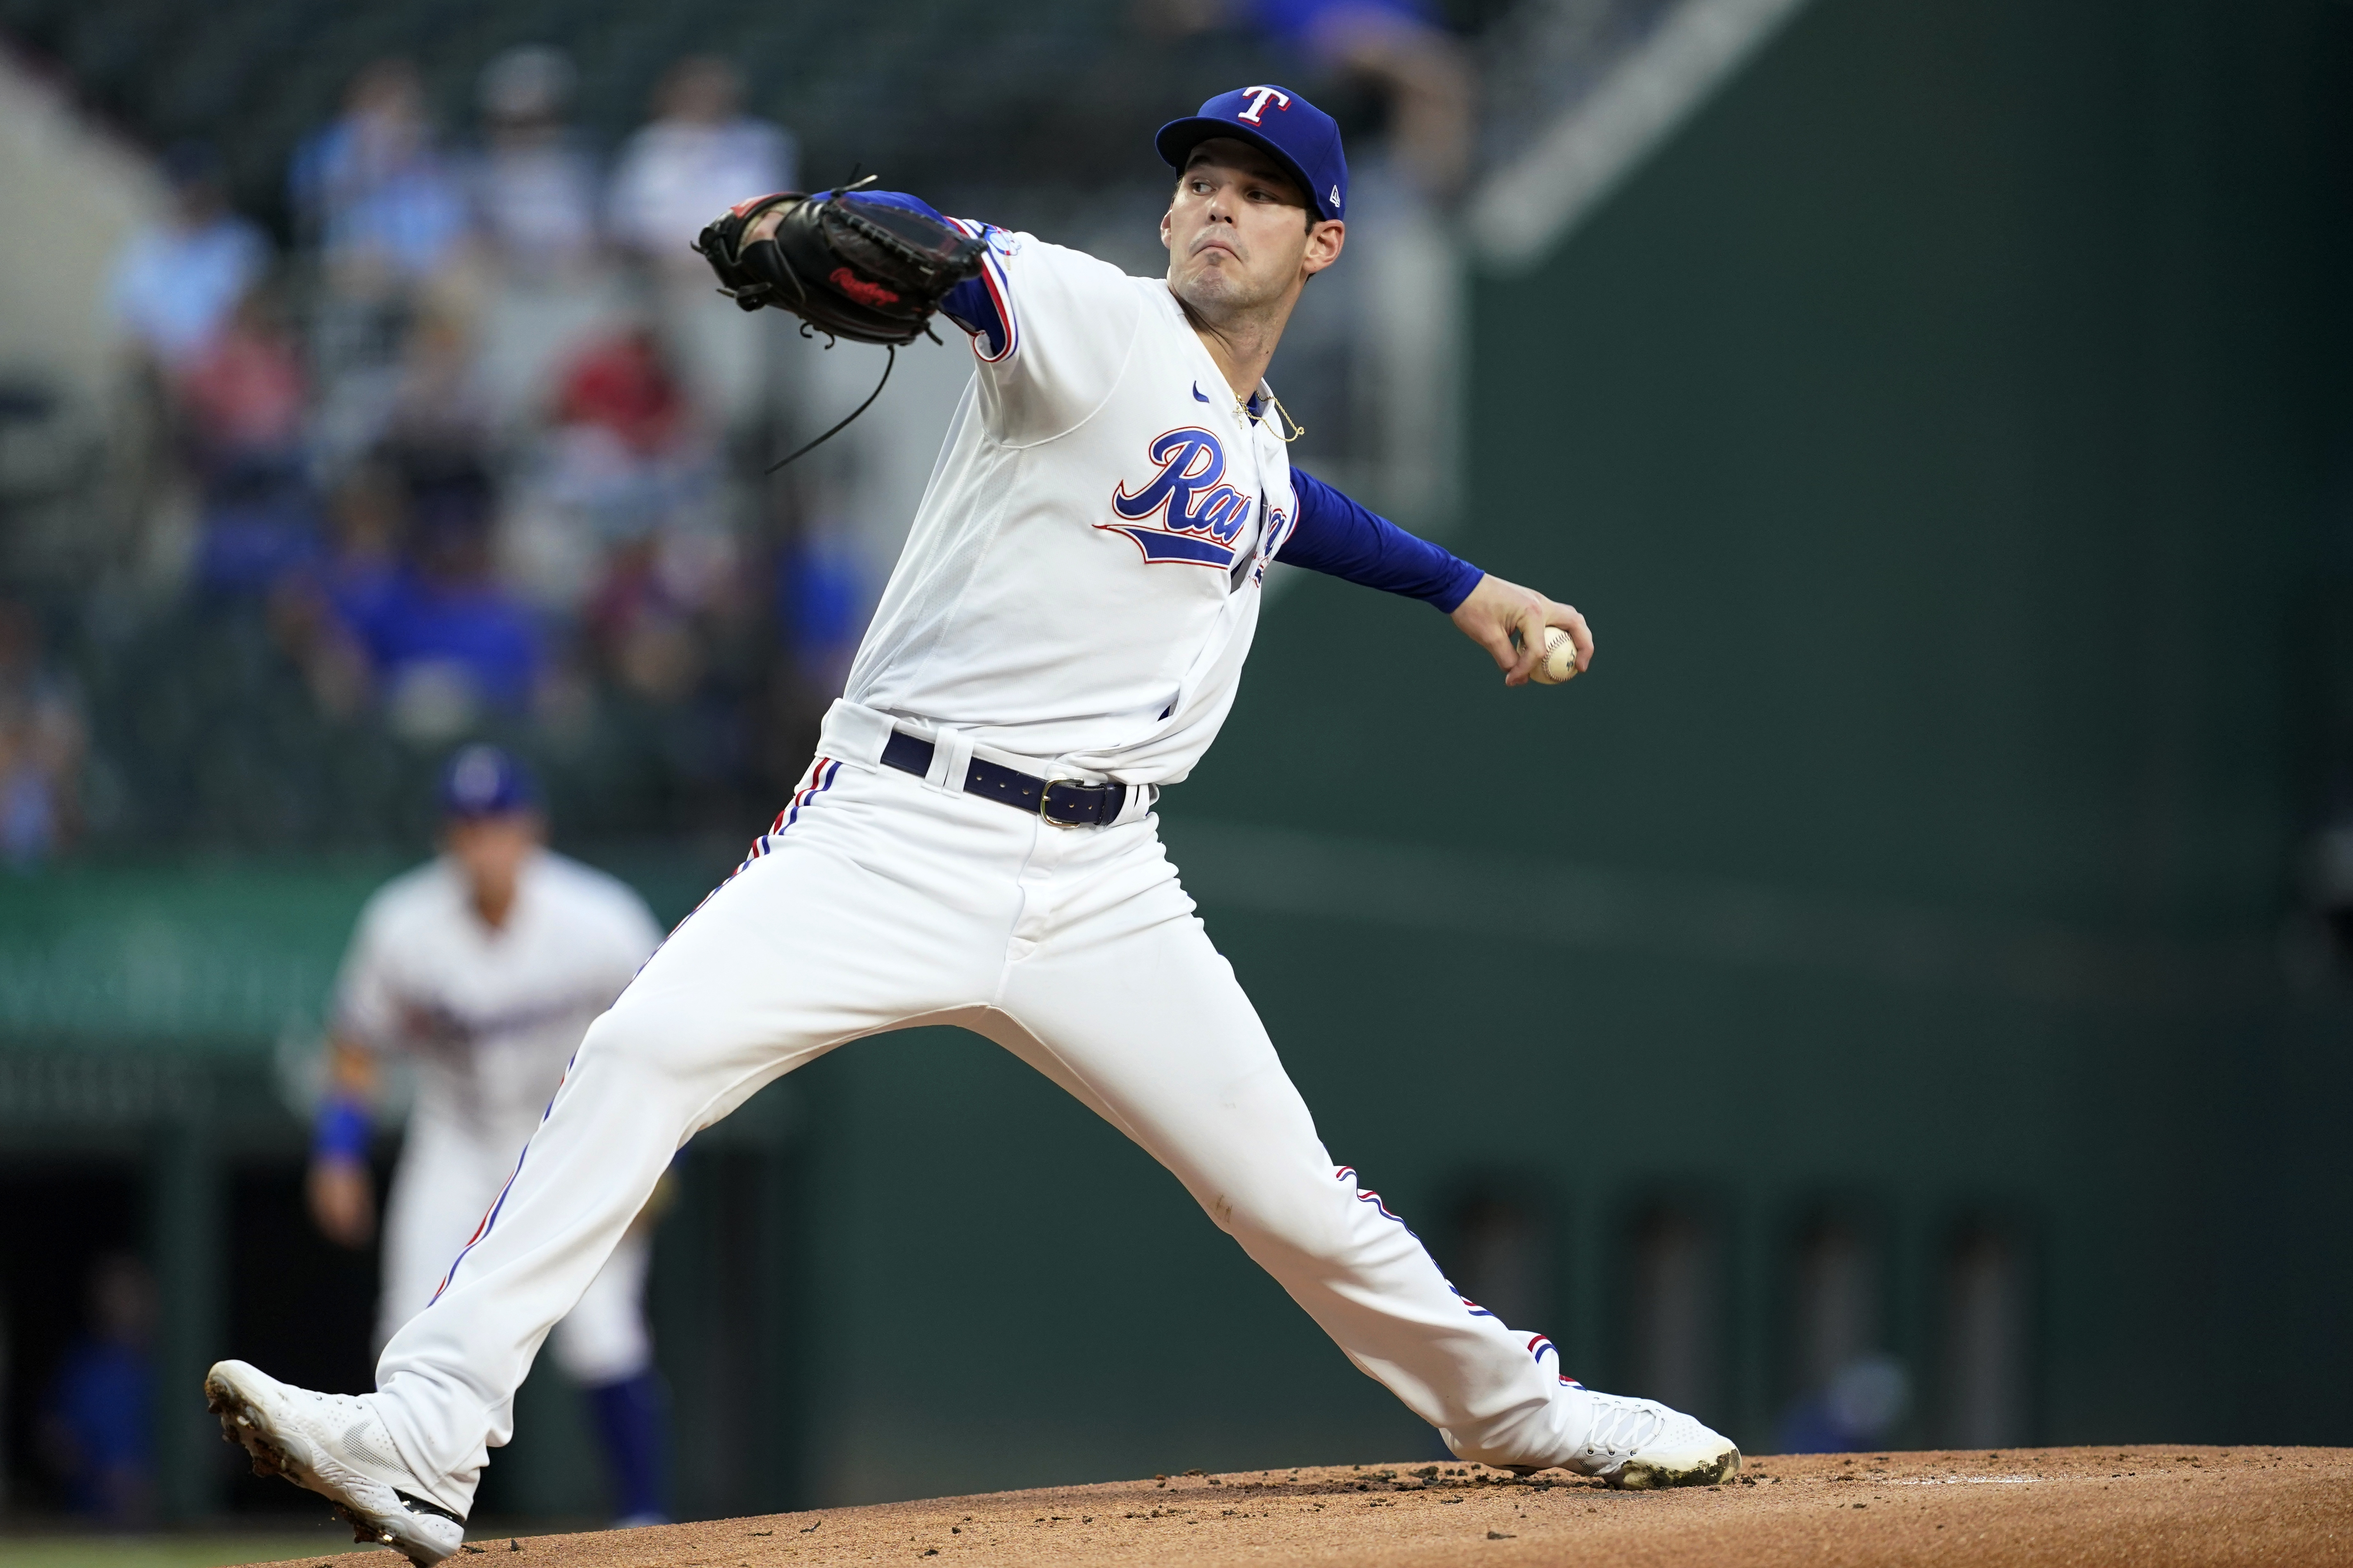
x=850, y=266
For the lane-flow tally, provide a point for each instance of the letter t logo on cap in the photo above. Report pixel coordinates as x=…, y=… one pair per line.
x=1257, y=97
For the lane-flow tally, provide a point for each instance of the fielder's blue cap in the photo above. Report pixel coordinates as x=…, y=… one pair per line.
x=1301, y=137
x=483, y=781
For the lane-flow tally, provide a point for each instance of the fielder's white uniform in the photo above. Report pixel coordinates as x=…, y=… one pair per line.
x=491, y=1017
x=1076, y=599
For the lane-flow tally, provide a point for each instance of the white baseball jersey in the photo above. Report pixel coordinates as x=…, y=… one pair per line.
x=489, y=1018
x=1100, y=465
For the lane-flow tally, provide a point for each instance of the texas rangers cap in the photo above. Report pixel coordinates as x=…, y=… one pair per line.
x=1302, y=138
x=483, y=781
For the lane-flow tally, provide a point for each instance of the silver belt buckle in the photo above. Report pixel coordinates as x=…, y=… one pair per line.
x=1046, y=796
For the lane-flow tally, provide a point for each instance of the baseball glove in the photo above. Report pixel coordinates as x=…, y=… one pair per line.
x=850, y=266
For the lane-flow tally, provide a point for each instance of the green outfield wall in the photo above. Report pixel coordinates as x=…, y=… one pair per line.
x=1879, y=951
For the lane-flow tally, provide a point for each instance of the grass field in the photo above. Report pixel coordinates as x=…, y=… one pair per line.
x=175, y=1551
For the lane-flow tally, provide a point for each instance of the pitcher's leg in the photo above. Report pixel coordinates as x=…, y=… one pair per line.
x=803, y=949
x=443, y=1182
x=1151, y=1031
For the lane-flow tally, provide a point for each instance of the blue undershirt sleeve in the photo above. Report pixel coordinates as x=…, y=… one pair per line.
x=1335, y=536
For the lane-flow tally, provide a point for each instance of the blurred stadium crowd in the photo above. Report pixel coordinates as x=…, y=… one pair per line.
x=491, y=462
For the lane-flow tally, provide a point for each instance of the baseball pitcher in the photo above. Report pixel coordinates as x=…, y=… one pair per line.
x=975, y=842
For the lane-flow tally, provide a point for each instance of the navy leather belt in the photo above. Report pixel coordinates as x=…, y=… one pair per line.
x=1065, y=802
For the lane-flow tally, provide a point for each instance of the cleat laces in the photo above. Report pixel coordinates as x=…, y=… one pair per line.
x=1622, y=1426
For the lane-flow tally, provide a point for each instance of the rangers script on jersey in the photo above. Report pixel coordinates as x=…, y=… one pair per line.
x=1100, y=465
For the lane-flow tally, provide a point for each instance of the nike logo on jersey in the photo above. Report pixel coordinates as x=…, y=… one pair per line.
x=1186, y=513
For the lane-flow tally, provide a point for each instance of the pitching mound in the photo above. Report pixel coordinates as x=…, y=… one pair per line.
x=2152, y=1507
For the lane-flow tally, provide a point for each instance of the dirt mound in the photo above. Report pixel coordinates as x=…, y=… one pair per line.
x=2149, y=1506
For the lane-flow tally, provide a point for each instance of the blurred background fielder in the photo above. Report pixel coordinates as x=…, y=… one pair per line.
x=483, y=968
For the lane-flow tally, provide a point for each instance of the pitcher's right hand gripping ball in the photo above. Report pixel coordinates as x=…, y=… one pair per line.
x=1559, y=661
x=850, y=266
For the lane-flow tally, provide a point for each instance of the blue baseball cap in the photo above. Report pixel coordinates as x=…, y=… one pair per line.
x=1301, y=137
x=483, y=781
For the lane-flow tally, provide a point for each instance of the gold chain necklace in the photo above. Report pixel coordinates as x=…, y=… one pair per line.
x=1285, y=421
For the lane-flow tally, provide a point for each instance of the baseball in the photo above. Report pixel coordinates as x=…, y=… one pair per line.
x=1559, y=661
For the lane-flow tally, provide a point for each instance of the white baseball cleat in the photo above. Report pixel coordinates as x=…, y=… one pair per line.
x=1640, y=1444
x=336, y=1445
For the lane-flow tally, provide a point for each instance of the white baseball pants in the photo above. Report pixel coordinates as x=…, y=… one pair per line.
x=446, y=1177
x=882, y=901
